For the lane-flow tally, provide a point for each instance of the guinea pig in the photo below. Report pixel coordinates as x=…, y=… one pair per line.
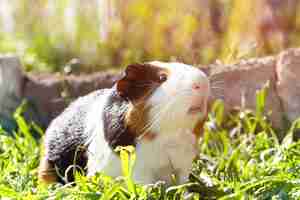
x=157, y=107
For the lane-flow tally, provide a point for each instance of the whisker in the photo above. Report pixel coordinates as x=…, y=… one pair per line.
x=214, y=76
x=162, y=110
x=217, y=91
x=150, y=125
x=217, y=82
x=153, y=122
x=218, y=96
x=215, y=87
x=158, y=109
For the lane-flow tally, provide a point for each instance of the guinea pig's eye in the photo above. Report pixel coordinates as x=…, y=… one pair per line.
x=162, y=78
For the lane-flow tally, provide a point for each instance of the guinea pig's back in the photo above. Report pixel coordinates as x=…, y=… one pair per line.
x=66, y=138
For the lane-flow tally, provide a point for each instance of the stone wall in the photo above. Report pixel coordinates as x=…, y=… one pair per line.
x=11, y=82
x=52, y=93
x=236, y=84
x=241, y=81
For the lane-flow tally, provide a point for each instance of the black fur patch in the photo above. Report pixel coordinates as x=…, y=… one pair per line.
x=66, y=136
x=115, y=131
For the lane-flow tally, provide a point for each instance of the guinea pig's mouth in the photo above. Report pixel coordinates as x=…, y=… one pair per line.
x=195, y=109
x=197, y=105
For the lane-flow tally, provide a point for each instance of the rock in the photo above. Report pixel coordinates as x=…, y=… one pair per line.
x=11, y=81
x=44, y=92
x=52, y=93
x=241, y=81
x=288, y=85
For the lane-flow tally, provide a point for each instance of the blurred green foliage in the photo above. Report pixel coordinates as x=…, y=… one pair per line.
x=110, y=33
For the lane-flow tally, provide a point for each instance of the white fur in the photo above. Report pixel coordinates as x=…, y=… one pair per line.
x=174, y=147
x=100, y=155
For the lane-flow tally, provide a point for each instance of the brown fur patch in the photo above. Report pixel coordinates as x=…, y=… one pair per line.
x=46, y=172
x=137, y=121
x=136, y=118
x=199, y=128
x=140, y=80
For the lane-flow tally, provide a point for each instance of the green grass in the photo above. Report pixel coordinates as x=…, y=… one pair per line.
x=240, y=158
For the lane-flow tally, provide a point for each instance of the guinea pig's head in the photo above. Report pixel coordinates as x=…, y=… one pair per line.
x=164, y=96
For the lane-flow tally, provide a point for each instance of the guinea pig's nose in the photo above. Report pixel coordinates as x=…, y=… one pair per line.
x=200, y=87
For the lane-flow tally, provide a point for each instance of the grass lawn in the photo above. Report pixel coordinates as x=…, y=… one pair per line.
x=240, y=158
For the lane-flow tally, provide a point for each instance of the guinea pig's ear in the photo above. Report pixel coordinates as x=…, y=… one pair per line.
x=138, y=80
